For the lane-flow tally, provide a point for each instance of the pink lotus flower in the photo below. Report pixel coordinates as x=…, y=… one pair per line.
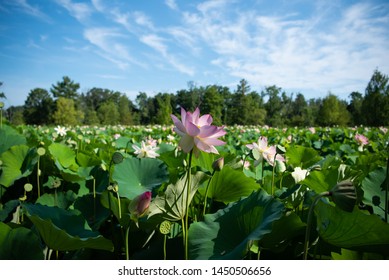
x=361, y=139
x=139, y=205
x=262, y=151
x=197, y=133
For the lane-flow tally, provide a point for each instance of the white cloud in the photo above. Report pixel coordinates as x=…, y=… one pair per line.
x=31, y=10
x=294, y=53
x=106, y=39
x=81, y=11
x=171, y=4
x=143, y=20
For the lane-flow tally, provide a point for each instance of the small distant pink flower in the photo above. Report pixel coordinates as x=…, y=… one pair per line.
x=383, y=129
x=312, y=130
x=197, y=133
x=116, y=136
x=361, y=139
x=261, y=151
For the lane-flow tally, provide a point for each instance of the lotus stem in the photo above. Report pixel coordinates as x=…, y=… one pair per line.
x=127, y=236
x=206, y=192
x=272, y=179
x=309, y=221
x=186, y=236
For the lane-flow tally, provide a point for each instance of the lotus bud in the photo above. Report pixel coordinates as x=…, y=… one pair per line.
x=140, y=204
x=117, y=157
x=344, y=195
x=218, y=164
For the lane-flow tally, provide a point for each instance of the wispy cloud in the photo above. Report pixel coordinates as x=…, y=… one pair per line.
x=81, y=11
x=171, y=4
x=157, y=43
x=31, y=10
x=109, y=47
x=291, y=52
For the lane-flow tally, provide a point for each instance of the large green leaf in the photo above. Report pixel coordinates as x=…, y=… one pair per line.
x=14, y=165
x=355, y=230
x=64, y=230
x=135, y=176
x=10, y=137
x=302, y=156
x=373, y=193
x=92, y=210
x=229, y=185
x=19, y=244
x=321, y=180
x=64, y=155
x=172, y=203
x=228, y=233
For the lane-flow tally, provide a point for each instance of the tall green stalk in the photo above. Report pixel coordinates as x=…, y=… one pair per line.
x=206, y=193
x=186, y=235
x=309, y=222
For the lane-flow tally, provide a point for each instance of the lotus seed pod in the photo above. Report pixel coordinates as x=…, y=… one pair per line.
x=165, y=227
x=28, y=187
x=344, y=195
x=41, y=151
x=218, y=164
x=117, y=157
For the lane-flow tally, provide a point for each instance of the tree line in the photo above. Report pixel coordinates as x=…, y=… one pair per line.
x=64, y=105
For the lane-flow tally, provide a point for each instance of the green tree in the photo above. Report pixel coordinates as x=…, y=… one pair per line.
x=145, y=108
x=124, y=110
x=255, y=111
x=65, y=88
x=2, y=94
x=273, y=106
x=66, y=113
x=108, y=113
x=15, y=115
x=299, y=111
x=355, y=108
x=333, y=112
x=212, y=103
x=91, y=117
x=163, y=109
x=38, y=107
x=375, y=105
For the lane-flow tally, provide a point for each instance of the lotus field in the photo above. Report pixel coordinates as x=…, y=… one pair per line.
x=193, y=190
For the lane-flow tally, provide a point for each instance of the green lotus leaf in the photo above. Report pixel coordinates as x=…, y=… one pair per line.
x=228, y=233
x=352, y=230
x=321, y=180
x=92, y=210
x=10, y=137
x=64, y=230
x=18, y=162
x=172, y=204
x=135, y=176
x=230, y=185
x=301, y=156
x=373, y=193
x=64, y=155
x=8, y=208
x=279, y=238
x=19, y=244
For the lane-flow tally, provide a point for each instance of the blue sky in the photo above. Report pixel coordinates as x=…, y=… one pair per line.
x=133, y=46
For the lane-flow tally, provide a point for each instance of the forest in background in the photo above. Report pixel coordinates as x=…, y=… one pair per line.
x=62, y=104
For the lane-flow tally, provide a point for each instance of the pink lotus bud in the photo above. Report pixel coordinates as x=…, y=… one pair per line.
x=139, y=205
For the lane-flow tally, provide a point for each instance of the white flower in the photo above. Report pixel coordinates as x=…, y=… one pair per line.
x=299, y=174
x=61, y=130
x=144, y=151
